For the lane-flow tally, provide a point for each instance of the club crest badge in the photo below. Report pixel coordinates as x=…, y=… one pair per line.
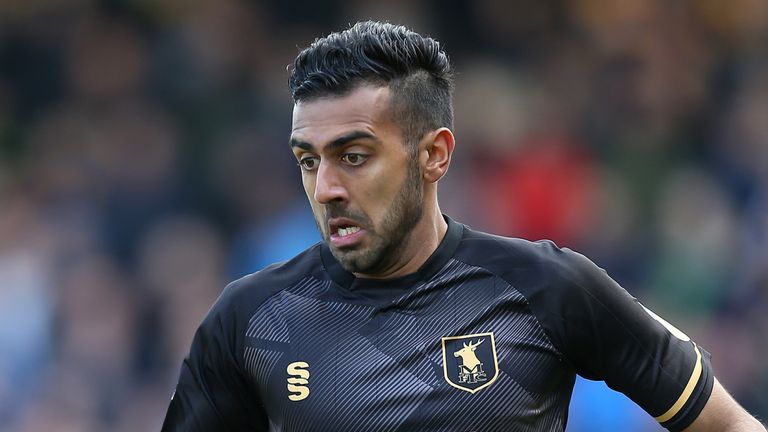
x=470, y=362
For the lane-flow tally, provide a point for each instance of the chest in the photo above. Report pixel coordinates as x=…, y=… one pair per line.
x=444, y=364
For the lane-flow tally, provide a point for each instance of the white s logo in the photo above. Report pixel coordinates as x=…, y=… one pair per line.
x=298, y=380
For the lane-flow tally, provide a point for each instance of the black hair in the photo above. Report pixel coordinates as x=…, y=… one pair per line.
x=414, y=67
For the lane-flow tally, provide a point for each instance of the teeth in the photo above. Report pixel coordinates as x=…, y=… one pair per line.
x=343, y=232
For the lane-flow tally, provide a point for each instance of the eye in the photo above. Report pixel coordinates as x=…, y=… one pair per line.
x=354, y=159
x=308, y=163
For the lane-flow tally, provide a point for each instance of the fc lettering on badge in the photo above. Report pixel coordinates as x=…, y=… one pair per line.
x=298, y=381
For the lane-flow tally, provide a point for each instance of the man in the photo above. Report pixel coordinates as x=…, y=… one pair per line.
x=403, y=319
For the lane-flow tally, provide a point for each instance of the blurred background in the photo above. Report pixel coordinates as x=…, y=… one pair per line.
x=144, y=164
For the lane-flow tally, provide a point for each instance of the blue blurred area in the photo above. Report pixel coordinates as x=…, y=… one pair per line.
x=144, y=164
x=597, y=408
x=291, y=231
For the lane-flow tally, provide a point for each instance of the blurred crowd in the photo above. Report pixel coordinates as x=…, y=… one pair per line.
x=144, y=164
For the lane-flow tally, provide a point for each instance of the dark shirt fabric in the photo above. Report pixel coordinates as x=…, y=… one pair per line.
x=488, y=335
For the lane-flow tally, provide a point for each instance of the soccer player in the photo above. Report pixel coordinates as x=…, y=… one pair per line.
x=403, y=319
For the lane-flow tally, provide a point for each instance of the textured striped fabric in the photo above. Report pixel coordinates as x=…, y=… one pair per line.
x=380, y=367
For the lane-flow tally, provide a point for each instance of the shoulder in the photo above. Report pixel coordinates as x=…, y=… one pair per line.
x=528, y=265
x=566, y=291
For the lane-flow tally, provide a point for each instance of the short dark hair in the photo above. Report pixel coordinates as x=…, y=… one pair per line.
x=414, y=67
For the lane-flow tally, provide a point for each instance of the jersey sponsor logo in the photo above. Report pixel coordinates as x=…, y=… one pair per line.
x=298, y=380
x=470, y=362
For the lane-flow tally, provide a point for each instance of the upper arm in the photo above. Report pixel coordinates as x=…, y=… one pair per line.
x=606, y=334
x=723, y=413
x=213, y=392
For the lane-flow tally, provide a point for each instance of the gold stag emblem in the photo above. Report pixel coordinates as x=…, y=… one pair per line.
x=471, y=369
x=470, y=362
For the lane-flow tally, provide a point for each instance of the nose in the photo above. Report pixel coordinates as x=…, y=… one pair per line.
x=329, y=186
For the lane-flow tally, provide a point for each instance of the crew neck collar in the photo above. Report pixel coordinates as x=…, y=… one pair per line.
x=434, y=263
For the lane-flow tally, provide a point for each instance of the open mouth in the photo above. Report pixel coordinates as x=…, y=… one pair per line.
x=342, y=226
x=344, y=232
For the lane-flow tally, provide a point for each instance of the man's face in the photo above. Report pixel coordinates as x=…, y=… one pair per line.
x=363, y=183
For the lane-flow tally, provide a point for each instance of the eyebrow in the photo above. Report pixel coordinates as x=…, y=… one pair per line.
x=336, y=143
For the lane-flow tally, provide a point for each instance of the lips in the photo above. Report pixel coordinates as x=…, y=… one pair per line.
x=345, y=232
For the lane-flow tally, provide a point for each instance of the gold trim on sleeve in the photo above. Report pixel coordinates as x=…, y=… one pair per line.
x=686, y=391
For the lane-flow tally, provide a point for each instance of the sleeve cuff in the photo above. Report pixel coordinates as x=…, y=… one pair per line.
x=693, y=398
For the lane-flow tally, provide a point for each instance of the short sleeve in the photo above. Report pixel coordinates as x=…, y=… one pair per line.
x=212, y=393
x=606, y=334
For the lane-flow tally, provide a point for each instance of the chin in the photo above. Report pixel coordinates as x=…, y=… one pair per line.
x=353, y=261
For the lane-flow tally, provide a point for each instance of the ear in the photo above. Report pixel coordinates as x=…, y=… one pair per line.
x=436, y=155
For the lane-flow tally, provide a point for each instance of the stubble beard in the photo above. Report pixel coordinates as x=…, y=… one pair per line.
x=390, y=238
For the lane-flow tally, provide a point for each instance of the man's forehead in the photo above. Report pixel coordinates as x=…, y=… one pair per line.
x=364, y=105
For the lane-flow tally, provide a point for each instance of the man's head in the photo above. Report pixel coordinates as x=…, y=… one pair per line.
x=371, y=131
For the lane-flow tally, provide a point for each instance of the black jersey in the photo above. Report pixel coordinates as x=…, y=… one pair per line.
x=487, y=336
